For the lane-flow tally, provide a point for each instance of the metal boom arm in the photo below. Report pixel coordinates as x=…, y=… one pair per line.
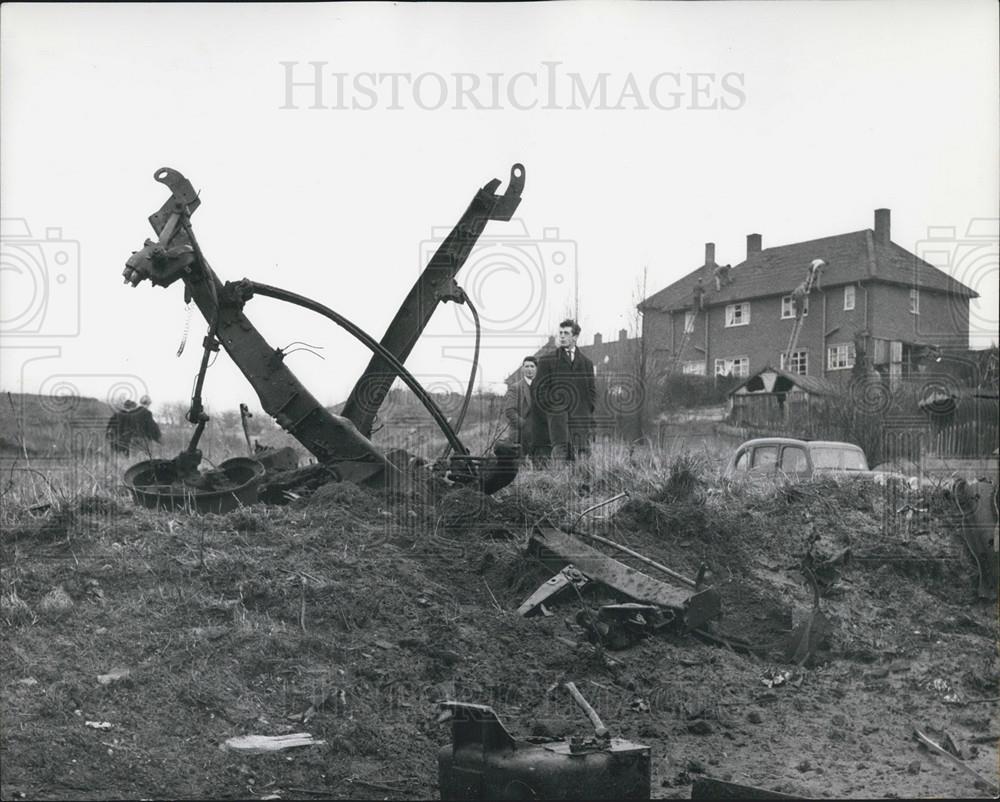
x=334, y=439
x=435, y=285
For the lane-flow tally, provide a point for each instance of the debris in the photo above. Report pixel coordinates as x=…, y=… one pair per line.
x=114, y=675
x=98, y=725
x=678, y=578
x=639, y=706
x=773, y=677
x=340, y=442
x=551, y=587
x=699, y=727
x=262, y=744
x=691, y=609
x=913, y=767
x=934, y=747
x=599, y=729
x=754, y=717
x=27, y=681
x=618, y=626
x=485, y=762
x=810, y=633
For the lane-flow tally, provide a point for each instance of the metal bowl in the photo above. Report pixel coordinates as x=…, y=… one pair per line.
x=155, y=484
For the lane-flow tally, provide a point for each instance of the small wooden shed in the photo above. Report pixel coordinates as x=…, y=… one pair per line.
x=771, y=397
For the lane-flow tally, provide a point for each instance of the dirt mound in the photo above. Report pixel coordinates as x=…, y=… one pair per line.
x=348, y=614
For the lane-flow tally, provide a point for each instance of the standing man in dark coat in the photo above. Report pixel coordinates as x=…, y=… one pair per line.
x=525, y=425
x=566, y=393
x=133, y=426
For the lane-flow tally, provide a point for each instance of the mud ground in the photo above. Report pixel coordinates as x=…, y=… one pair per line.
x=348, y=615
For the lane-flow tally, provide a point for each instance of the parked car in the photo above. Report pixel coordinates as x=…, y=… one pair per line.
x=799, y=459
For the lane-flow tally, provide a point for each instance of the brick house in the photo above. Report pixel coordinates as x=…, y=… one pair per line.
x=871, y=293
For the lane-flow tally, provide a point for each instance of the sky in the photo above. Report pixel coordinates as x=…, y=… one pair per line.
x=334, y=145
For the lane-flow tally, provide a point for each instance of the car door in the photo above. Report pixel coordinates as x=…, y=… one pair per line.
x=741, y=463
x=763, y=460
x=794, y=462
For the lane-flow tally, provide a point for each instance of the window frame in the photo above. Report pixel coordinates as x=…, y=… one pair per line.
x=788, y=308
x=853, y=298
x=804, y=459
x=760, y=451
x=689, y=317
x=745, y=366
x=698, y=366
x=850, y=356
x=914, y=301
x=731, y=309
x=804, y=354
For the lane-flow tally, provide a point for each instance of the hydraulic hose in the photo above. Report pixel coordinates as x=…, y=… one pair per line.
x=472, y=376
x=360, y=334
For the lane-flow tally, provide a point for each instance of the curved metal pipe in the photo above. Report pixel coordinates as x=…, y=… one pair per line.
x=408, y=379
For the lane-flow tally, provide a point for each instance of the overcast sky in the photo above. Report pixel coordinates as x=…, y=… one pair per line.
x=331, y=144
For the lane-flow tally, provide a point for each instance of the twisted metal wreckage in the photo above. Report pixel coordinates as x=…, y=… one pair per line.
x=340, y=443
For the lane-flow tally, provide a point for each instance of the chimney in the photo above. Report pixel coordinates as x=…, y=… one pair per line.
x=753, y=244
x=622, y=335
x=597, y=339
x=882, y=226
x=709, y=253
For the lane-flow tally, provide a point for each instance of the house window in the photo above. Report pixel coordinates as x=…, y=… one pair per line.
x=839, y=357
x=788, y=307
x=737, y=366
x=688, y=322
x=914, y=302
x=799, y=363
x=848, y=298
x=738, y=314
x=693, y=368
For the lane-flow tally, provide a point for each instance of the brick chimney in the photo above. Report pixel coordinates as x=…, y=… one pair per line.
x=753, y=244
x=882, y=226
x=598, y=339
x=622, y=335
x=709, y=253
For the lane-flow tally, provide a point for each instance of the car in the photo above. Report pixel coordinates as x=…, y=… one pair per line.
x=799, y=459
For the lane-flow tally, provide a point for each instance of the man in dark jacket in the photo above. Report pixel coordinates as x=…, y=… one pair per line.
x=525, y=425
x=566, y=393
x=133, y=426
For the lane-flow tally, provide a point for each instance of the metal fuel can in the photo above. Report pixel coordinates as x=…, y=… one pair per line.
x=484, y=761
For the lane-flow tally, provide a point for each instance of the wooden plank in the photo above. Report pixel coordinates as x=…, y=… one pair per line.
x=600, y=567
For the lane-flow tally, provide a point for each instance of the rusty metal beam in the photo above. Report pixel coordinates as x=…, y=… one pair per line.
x=435, y=285
x=695, y=609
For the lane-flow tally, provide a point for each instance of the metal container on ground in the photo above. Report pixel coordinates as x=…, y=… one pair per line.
x=485, y=762
x=155, y=484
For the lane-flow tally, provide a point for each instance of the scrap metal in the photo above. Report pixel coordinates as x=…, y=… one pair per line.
x=484, y=761
x=691, y=609
x=340, y=442
x=552, y=587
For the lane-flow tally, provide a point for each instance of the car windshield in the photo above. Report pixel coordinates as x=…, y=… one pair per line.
x=843, y=458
